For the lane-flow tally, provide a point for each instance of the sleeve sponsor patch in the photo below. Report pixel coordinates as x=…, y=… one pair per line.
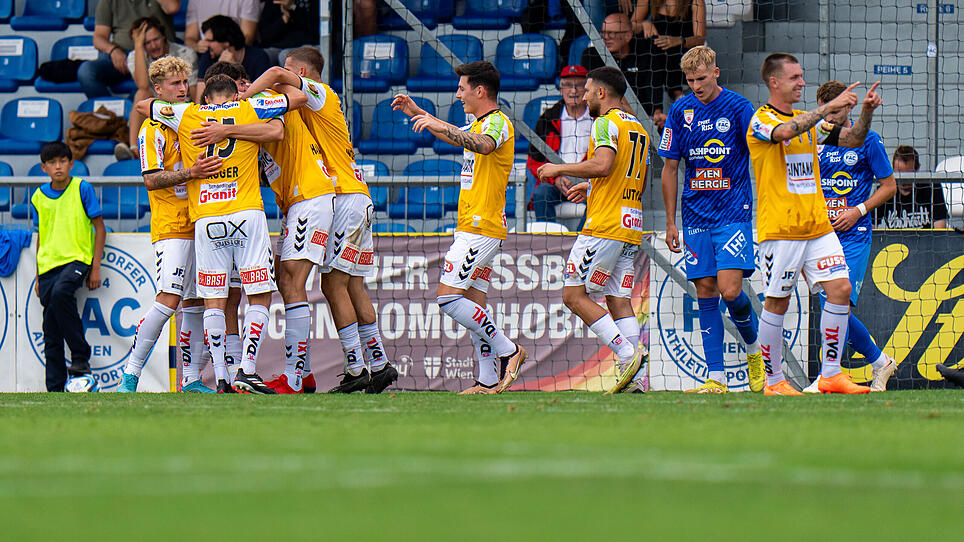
x=667, y=140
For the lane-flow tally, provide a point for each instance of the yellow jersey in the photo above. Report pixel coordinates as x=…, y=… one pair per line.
x=294, y=166
x=159, y=151
x=326, y=122
x=614, y=209
x=485, y=177
x=236, y=187
x=790, y=200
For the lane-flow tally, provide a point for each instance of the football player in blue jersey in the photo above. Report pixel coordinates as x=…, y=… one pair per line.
x=707, y=128
x=847, y=176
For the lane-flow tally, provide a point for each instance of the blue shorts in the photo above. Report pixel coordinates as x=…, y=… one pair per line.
x=708, y=250
x=858, y=256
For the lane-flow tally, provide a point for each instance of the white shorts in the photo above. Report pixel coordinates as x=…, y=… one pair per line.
x=821, y=259
x=601, y=265
x=350, y=247
x=235, y=240
x=304, y=229
x=174, y=259
x=467, y=261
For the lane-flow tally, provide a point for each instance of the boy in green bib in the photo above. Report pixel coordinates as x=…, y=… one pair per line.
x=70, y=243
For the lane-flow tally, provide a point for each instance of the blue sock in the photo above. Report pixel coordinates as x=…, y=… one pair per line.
x=860, y=339
x=711, y=323
x=741, y=312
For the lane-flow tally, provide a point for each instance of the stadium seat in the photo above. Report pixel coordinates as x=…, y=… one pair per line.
x=489, y=14
x=356, y=121
x=49, y=14
x=79, y=170
x=380, y=61
x=445, y=228
x=575, y=50
x=18, y=62
x=510, y=201
x=526, y=61
x=73, y=48
x=124, y=201
x=271, y=208
x=119, y=106
x=530, y=115
x=6, y=10
x=457, y=117
x=434, y=73
x=430, y=12
x=24, y=209
x=392, y=227
x=5, y=191
x=90, y=23
x=391, y=131
x=5, y=170
x=373, y=168
x=28, y=123
x=123, y=168
x=379, y=194
x=428, y=201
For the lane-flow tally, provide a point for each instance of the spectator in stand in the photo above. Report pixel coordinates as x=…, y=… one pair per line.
x=150, y=44
x=565, y=128
x=225, y=43
x=916, y=205
x=243, y=12
x=113, y=21
x=286, y=24
x=669, y=28
x=617, y=34
x=365, y=18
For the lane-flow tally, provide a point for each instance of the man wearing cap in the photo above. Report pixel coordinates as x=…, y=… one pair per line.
x=565, y=128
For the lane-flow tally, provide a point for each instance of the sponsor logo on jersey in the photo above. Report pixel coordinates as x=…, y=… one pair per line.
x=835, y=206
x=447, y=267
x=217, y=192
x=632, y=218
x=688, y=115
x=627, y=281
x=832, y=263
x=350, y=254
x=570, y=269
x=722, y=125
x=840, y=182
x=712, y=151
x=319, y=238
x=666, y=141
x=212, y=280
x=367, y=257
x=166, y=111
x=850, y=158
x=599, y=277
x=255, y=275
x=800, y=179
x=482, y=273
x=709, y=179
x=274, y=102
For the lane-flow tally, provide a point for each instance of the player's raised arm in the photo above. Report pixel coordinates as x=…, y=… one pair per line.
x=855, y=135
x=269, y=79
x=804, y=122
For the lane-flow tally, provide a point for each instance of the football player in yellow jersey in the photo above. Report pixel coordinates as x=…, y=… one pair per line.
x=794, y=230
x=230, y=229
x=172, y=234
x=350, y=253
x=487, y=160
x=294, y=169
x=601, y=259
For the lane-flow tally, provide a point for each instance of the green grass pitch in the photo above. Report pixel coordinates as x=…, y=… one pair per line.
x=520, y=466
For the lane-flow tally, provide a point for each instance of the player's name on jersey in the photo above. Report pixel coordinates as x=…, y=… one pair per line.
x=632, y=194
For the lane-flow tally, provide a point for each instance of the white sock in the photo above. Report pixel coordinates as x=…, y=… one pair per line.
x=718, y=376
x=833, y=323
x=232, y=355
x=605, y=328
x=488, y=363
x=297, y=354
x=880, y=362
x=191, y=342
x=474, y=318
x=770, y=337
x=629, y=328
x=374, y=351
x=351, y=344
x=255, y=321
x=214, y=339
x=148, y=329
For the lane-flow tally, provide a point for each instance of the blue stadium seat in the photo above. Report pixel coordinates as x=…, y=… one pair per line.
x=24, y=210
x=380, y=61
x=5, y=191
x=79, y=170
x=18, y=62
x=123, y=168
x=5, y=170
x=433, y=167
x=428, y=201
x=271, y=208
x=379, y=192
x=457, y=117
x=434, y=73
x=356, y=121
x=530, y=115
x=49, y=14
x=489, y=14
x=122, y=105
x=28, y=123
x=430, y=12
x=392, y=132
x=64, y=48
x=392, y=227
x=526, y=61
x=6, y=10
x=575, y=50
x=510, y=201
x=445, y=228
x=90, y=23
x=124, y=201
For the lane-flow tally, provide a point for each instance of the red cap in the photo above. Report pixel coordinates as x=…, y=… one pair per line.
x=573, y=71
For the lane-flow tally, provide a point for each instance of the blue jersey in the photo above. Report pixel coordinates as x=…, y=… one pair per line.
x=847, y=176
x=712, y=139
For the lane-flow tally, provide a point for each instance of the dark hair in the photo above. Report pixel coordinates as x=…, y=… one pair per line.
x=55, y=149
x=774, y=63
x=906, y=153
x=152, y=22
x=309, y=56
x=611, y=78
x=224, y=29
x=830, y=90
x=231, y=69
x=481, y=72
x=219, y=85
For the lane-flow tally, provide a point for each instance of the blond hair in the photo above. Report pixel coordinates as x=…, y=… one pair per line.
x=166, y=67
x=696, y=57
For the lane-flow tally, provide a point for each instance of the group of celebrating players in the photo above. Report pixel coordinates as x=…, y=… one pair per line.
x=203, y=164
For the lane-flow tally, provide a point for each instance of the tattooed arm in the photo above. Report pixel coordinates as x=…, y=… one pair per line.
x=478, y=143
x=798, y=125
x=855, y=135
x=204, y=167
